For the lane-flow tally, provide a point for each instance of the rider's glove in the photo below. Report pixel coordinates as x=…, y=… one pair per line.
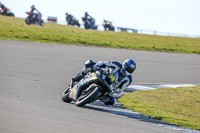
x=96, y=67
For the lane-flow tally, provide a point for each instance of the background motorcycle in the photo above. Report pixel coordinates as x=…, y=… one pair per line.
x=93, y=86
x=72, y=20
x=108, y=25
x=7, y=13
x=30, y=19
x=89, y=23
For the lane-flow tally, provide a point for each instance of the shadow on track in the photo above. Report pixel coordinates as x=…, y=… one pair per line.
x=120, y=110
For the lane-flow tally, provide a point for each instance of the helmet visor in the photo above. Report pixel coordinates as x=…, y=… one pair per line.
x=130, y=69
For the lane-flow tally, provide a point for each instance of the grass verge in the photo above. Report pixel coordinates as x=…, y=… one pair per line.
x=179, y=106
x=16, y=29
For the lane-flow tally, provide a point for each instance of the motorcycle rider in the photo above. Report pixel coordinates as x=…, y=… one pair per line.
x=4, y=9
x=35, y=18
x=108, y=25
x=89, y=18
x=87, y=15
x=69, y=18
x=121, y=71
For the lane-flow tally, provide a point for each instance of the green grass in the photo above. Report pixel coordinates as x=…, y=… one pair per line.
x=179, y=106
x=16, y=29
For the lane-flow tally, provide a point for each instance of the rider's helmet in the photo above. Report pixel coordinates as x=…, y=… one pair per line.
x=86, y=14
x=32, y=6
x=128, y=67
x=89, y=63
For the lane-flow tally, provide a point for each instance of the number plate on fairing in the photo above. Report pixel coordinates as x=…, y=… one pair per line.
x=73, y=92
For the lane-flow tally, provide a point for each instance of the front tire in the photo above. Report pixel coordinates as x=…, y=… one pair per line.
x=89, y=97
x=27, y=20
x=65, y=95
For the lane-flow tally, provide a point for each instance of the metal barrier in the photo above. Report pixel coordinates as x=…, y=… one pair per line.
x=143, y=31
x=121, y=29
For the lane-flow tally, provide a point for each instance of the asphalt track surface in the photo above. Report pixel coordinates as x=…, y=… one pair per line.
x=33, y=76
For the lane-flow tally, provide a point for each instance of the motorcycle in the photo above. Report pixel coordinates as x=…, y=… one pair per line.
x=108, y=26
x=93, y=86
x=72, y=20
x=32, y=19
x=7, y=13
x=89, y=23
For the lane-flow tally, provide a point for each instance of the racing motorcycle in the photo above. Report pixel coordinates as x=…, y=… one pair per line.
x=108, y=25
x=89, y=23
x=72, y=20
x=92, y=87
x=31, y=19
x=7, y=13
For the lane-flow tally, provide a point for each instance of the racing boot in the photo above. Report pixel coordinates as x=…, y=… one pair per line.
x=108, y=99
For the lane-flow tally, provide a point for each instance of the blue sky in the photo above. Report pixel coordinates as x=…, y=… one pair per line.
x=176, y=16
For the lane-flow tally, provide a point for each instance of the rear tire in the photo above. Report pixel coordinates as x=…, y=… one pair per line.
x=78, y=24
x=93, y=95
x=42, y=23
x=12, y=14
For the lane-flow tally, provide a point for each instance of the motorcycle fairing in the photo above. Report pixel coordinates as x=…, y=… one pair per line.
x=83, y=84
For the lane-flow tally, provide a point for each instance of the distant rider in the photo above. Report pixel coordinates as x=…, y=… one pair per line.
x=90, y=18
x=4, y=9
x=108, y=25
x=122, y=72
x=69, y=18
x=35, y=15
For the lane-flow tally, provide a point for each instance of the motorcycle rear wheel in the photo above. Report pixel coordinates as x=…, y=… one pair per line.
x=10, y=14
x=42, y=23
x=89, y=97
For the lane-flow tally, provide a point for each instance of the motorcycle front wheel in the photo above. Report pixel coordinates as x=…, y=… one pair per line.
x=91, y=95
x=27, y=21
x=65, y=95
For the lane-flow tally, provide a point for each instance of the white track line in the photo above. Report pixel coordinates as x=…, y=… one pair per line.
x=177, y=85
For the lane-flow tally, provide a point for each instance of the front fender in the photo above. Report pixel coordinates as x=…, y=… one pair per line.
x=78, y=93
